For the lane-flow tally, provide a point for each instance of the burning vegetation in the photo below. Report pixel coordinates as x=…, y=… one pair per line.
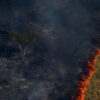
x=81, y=84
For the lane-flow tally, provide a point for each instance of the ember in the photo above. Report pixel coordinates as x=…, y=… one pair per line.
x=81, y=84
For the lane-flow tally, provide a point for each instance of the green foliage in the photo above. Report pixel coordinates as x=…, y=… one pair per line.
x=24, y=38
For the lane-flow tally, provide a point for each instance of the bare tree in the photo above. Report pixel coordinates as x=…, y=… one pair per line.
x=23, y=40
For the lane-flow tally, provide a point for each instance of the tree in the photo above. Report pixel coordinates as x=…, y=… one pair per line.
x=23, y=40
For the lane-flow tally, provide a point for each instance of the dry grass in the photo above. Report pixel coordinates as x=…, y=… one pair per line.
x=93, y=88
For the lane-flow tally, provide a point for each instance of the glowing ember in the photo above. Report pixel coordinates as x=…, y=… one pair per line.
x=81, y=84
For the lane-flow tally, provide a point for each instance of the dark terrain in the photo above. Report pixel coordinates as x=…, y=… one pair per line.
x=53, y=63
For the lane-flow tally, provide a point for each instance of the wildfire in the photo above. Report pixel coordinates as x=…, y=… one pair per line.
x=81, y=84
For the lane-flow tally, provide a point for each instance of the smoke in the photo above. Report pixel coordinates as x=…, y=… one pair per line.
x=67, y=32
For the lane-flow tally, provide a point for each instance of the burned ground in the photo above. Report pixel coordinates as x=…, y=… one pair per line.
x=53, y=64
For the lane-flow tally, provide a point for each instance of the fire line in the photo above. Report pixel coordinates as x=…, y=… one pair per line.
x=81, y=84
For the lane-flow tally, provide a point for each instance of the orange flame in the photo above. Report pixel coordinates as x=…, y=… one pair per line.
x=81, y=84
